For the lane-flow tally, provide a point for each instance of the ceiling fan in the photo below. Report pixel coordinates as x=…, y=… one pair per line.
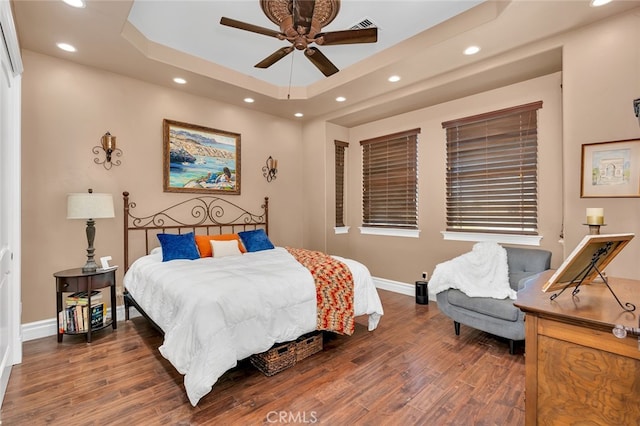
x=301, y=22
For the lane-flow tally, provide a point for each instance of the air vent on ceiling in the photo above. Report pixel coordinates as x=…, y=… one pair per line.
x=364, y=23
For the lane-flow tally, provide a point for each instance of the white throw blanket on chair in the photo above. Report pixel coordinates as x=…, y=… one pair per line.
x=483, y=272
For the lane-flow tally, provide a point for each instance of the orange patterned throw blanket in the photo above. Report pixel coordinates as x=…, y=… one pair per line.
x=334, y=290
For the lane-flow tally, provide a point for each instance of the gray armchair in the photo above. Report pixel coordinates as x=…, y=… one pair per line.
x=496, y=316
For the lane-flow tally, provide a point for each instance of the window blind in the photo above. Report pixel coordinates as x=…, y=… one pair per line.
x=492, y=171
x=340, y=148
x=390, y=180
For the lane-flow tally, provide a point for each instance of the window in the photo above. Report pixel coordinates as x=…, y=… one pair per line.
x=390, y=180
x=492, y=178
x=340, y=148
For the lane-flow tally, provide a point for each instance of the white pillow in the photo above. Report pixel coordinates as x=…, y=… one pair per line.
x=225, y=248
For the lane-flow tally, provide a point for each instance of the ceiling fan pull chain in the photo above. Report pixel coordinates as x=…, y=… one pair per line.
x=290, y=77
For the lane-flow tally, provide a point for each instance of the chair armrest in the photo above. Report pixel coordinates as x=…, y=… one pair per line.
x=524, y=262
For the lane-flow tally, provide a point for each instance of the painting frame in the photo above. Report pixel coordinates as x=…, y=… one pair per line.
x=610, y=169
x=199, y=159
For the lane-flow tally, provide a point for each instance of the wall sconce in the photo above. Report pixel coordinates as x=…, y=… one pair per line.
x=108, y=145
x=269, y=171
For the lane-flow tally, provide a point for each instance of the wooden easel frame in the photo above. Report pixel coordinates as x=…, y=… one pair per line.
x=569, y=273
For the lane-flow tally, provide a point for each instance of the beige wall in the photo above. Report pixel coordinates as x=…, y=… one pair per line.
x=601, y=78
x=67, y=108
x=313, y=186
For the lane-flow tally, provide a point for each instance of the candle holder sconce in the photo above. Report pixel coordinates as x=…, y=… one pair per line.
x=594, y=229
x=108, y=146
x=270, y=169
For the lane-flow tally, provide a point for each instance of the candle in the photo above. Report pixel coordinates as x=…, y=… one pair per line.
x=595, y=216
x=108, y=142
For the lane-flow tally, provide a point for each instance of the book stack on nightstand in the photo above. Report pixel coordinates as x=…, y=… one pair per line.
x=77, y=316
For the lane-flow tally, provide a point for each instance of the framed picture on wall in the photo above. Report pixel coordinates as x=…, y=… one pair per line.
x=610, y=169
x=199, y=159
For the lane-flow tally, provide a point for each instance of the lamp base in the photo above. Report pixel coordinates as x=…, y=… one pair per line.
x=90, y=267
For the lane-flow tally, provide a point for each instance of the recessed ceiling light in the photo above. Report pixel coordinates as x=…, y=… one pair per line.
x=471, y=50
x=341, y=99
x=394, y=78
x=180, y=80
x=66, y=47
x=249, y=100
x=299, y=114
x=75, y=3
x=596, y=3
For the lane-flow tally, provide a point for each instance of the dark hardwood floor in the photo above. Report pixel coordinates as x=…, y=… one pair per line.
x=411, y=370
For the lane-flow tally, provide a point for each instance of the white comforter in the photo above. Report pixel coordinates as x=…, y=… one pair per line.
x=216, y=311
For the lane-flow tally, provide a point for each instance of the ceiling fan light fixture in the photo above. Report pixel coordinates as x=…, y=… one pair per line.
x=301, y=22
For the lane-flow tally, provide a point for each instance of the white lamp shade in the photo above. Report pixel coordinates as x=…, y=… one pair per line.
x=89, y=206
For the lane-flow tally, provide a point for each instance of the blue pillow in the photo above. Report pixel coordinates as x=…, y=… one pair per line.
x=178, y=246
x=255, y=240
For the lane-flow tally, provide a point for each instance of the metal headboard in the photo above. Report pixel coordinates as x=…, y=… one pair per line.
x=206, y=215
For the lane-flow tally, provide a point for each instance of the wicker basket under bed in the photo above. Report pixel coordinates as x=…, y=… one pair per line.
x=280, y=357
x=308, y=345
x=284, y=355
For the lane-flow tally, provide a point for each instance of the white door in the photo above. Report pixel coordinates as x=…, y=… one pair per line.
x=10, y=92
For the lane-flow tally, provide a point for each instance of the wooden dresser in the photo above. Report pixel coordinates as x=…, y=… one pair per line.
x=577, y=371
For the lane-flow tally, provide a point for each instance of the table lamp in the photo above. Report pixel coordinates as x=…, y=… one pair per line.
x=90, y=206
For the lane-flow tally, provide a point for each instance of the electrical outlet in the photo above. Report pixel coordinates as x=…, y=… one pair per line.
x=425, y=275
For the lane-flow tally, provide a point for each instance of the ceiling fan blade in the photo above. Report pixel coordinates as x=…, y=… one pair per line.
x=274, y=57
x=325, y=66
x=302, y=14
x=250, y=27
x=367, y=35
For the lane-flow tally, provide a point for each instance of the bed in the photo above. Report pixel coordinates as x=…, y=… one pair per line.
x=217, y=309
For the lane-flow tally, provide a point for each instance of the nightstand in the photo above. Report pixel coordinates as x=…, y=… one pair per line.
x=74, y=280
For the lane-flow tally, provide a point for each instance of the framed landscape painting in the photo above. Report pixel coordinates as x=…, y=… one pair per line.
x=610, y=169
x=199, y=159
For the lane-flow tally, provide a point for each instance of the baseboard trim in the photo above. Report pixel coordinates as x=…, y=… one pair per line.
x=394, y=286
x=5, y=372
x=45, y=328
x=398, y=287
